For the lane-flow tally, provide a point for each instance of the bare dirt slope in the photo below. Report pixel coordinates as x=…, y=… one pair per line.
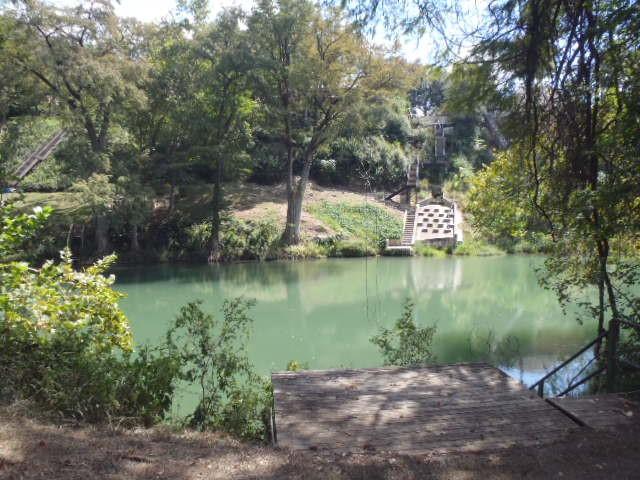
x=31, y=449
x=249, y=201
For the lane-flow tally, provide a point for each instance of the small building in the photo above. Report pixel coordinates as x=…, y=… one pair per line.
x=435, y=223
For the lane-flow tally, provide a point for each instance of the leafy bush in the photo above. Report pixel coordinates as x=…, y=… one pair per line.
x=261, y=239
x=296, y=366
x=18, y=228
x=240, y=240
x=428, y=251
x=66, y=345
x=532, y=243
x=305, y=251
x=475, y=247
x=349, y=159
x=406, y=344
x=213, y=355
x=353, y=248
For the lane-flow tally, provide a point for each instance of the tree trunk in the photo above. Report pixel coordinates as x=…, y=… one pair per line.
x=135, y=240
x=295, y=197
x=172, y=196
x=214, y=250
x=600, y=313
x=102, y=235
x=613, y=336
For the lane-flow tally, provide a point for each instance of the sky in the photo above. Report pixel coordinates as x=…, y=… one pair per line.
x=413, y=49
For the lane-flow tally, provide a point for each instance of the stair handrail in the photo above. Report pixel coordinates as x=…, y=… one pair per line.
x=539, y=385
x=39, y=155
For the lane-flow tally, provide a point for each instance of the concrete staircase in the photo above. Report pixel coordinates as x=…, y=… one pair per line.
x=409, y=222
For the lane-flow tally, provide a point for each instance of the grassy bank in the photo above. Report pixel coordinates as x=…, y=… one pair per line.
x=335, y=223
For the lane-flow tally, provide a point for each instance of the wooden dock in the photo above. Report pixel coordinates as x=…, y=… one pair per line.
x=601, y=412
x=462, y=407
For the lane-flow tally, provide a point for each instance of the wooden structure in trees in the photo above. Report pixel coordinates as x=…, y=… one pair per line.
x=38, y=156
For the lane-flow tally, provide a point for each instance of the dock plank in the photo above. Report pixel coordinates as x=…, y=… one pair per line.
x=601, y=412
x=411, y=410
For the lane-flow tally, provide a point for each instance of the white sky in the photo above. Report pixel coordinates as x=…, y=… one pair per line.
x=153, y=10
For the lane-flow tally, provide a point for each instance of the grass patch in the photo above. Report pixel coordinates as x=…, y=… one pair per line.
x=428, y=251
x=63, y=203
x=370, y=224
x=478, y=248
x=305, y=251
x=353, y=248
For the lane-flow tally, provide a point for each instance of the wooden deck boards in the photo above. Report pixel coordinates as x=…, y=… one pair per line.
x=411, y=410
x=601, y=412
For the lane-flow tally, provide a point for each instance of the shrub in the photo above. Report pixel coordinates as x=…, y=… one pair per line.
x=353, y=248
x=406, y=343
x=239, y=240
x=262, y=238
x=213, y=355
x=305, y=251
x=66, y=345
x=296, y=366
x=475, y=247
x=428, y=251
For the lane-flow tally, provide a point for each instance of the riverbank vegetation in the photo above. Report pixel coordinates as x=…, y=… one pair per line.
x=66, y=348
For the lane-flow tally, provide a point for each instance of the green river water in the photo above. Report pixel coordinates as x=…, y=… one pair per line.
x=322, y=313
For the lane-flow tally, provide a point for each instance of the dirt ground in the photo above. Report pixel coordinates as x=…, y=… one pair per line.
x=33, y=449
x=251, y=201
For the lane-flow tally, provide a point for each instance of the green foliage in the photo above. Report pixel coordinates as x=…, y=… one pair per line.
x=66, y=345
x=424, y=250
x=406, y=344
x=369, y=223
x=296, y=366
x=240, y=240
x=353, y=248
x=213, y=355
x=476, y=247
x=18, y=228
x=367, y=157
x=495, y=203
x=97, y=194
x=306, y=251
x=459, y=182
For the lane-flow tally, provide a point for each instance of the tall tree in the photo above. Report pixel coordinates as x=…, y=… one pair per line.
x=311, y=69
x=201, y=116
x=577, y=65
x=83, y=56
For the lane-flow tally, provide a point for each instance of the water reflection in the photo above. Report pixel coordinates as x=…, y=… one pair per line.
x=324, y=312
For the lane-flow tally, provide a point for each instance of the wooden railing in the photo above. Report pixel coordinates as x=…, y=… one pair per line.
x=39, y=155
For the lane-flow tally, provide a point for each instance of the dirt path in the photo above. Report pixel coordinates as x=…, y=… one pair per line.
x=31, y=449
